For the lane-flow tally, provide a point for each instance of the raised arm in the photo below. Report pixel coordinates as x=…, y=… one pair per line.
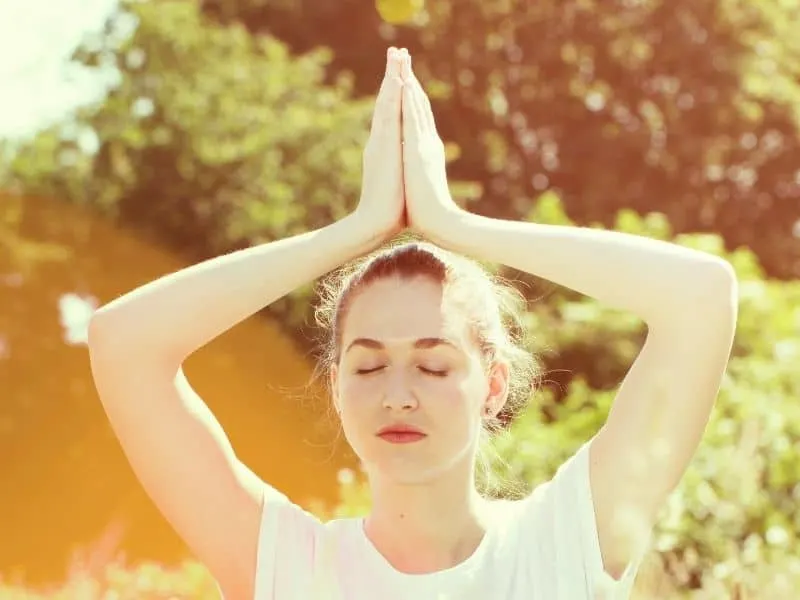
x=688, y=300
x=138, y=342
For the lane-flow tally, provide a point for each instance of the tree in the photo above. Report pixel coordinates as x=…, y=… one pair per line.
x=685, y=107
x=213, y=139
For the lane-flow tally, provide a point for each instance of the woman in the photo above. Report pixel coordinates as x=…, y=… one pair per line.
x=420, y=364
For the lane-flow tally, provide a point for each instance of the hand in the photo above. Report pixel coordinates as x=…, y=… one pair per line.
x=429, y=205
x=381, y=208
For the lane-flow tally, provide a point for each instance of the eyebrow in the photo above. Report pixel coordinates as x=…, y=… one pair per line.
x=421, y=343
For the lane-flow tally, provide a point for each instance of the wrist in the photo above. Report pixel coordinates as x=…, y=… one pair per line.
x=453, y=233
x=360, y=232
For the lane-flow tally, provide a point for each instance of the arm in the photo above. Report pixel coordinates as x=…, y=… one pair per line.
x=687, y=298
x=177, y=314
x=138, y=342
x=688, y=301
x=176, y=447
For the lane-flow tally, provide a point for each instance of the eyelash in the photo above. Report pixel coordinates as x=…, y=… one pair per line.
x=368, y=371
x=431, y=372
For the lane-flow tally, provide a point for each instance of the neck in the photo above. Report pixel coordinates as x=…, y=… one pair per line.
x=428, y=526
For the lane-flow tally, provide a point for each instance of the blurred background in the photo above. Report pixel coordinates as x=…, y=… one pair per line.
x=140, y=137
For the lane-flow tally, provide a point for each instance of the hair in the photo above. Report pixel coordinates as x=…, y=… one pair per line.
x=495, y=310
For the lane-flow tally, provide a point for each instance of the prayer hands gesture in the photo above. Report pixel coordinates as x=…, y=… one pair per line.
x=405, y=178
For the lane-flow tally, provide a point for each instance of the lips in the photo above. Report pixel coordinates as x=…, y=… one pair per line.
x=401, y=434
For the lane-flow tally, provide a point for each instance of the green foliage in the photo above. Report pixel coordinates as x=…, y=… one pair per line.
x=685, y=107
x=238, y=139
x=684, y=112
x=213, y=139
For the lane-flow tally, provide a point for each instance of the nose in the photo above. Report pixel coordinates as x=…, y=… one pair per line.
x=398, y=394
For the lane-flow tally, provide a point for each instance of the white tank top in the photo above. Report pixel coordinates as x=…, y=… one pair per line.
x=544, y=547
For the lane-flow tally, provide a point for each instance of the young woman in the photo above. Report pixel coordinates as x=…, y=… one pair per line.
x=420, y=364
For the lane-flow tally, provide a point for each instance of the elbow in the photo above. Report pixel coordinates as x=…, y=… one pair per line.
x=716, y=292
x=99, y=334
x=107, y=333
x=720, y=284
x=114, y=337
x=704, y=298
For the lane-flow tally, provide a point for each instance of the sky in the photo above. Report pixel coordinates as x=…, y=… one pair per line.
x=38, y=86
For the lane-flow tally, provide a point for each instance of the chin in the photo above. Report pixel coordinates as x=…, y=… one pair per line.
x=407, y=470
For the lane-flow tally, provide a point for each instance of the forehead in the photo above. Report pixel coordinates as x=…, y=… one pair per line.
x=403, y=309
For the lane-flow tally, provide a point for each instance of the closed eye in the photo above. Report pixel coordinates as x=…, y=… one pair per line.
x=368, y=371
x=433, y=372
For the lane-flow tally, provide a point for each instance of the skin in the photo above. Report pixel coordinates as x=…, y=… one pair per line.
x=186, y=463
x=444, y=390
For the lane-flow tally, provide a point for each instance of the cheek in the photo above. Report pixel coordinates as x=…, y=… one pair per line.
x=451, y=393
x=455, y=398
x=359, y=401
x=357, y=390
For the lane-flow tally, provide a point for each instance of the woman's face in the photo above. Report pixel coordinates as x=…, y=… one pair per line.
x=408, y=360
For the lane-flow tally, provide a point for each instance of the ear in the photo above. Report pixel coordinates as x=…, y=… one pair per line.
x=334, y=385
x=498, y=379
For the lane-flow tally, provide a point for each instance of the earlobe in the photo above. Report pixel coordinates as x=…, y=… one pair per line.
x=498, y=389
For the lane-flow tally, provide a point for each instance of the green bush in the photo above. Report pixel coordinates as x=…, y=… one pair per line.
x=729, y=526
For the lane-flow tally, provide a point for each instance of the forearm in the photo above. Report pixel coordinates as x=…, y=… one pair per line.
x=653, y=279
x=175, y=315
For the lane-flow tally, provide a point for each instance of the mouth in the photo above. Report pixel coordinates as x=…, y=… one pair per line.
x=401, y=435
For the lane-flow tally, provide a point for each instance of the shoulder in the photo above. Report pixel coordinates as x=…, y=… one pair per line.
x=558, y=530
x=296, y=550
x=287, y=541
x=568, y=492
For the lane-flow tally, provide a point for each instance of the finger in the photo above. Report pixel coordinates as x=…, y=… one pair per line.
x=427, y=108
x=413, y=127
x=421, y=98
x=387, y=103
x=418, y=96
x=391, y=60
x=391, y=51
x=412, y=118
x=405, y=65
x=387, y=115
